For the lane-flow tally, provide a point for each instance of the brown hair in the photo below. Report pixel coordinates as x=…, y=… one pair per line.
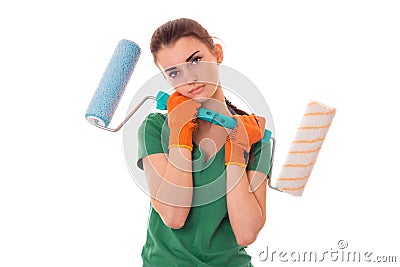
x=172, y=31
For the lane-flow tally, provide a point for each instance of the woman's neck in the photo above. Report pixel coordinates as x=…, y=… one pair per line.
x=217, y=102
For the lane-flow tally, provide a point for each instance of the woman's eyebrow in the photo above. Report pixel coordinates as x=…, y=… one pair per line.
x=170, y=69
x=187, y=60
x=190, y=57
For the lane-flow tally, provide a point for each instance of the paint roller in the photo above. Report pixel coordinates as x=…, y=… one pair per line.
x=304, y=150
x=112, y=84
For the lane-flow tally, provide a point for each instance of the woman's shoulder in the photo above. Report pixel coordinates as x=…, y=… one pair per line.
x=155, y=119
x=156, y=116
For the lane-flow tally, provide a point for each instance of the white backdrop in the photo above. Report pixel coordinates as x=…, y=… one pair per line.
x=66, y=196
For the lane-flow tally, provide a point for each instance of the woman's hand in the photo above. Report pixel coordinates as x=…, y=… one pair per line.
x=249, y=130
x=182, y=112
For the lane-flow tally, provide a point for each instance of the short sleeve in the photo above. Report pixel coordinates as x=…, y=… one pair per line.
x=152, y=136
x=260, y=157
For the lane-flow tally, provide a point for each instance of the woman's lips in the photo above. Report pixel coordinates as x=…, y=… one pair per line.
x=196, y=89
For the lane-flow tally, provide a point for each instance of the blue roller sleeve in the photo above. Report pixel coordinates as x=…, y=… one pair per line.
x=208, y=115
x=113, y=83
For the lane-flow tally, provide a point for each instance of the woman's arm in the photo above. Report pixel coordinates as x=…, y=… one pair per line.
x=169, y=178
x=246, y=207
x=245, y=197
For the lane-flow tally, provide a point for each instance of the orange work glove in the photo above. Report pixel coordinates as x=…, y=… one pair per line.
x=249, y=130
x=182, y=112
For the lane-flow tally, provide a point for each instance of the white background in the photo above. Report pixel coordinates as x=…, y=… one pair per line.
x=66, y=196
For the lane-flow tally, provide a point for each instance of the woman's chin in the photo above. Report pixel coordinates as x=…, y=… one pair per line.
x=201, y=99
x=206, y=94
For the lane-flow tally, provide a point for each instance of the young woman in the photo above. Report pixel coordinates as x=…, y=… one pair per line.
x=189, y=226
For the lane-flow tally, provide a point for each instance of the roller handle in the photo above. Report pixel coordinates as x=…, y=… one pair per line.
x=208, y=115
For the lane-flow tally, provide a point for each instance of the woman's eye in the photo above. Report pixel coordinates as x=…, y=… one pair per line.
x=196, y=60
x=173, y=74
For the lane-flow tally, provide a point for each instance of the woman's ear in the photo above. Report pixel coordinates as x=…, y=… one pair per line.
x=219, y=53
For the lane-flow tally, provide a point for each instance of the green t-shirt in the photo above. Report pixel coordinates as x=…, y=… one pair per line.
x=207, y=238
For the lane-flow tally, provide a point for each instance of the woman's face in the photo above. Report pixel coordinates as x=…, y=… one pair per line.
x=190, y=68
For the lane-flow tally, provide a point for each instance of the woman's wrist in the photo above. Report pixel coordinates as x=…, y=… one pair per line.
x=235, y=155
x=181, y=136
x=181, y=158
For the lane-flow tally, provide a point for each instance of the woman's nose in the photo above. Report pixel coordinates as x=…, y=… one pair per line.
x=191, y=77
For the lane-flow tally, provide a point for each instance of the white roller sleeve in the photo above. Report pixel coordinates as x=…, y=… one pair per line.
x=304, y=149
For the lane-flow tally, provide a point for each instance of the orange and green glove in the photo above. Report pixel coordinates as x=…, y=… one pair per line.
x=249, y=130
x=182, y=112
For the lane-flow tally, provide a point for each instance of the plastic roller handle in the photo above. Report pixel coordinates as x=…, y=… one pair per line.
x=208, y=115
